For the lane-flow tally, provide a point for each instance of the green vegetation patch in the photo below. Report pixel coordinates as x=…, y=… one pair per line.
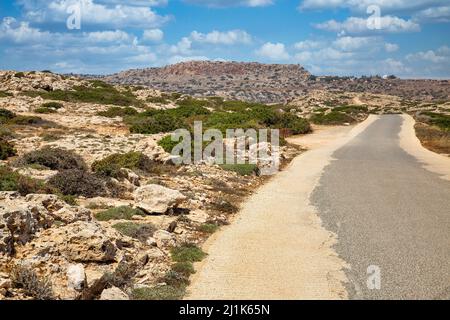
x=14, y=181
x=6, y=149
x=135, y=230
x=53, y=158
x=114, y=112
x=187, y=252
x=111, y=166
x=208, y=228
x=158, y=293
x=119, y=213
x=439, y=119
x=77, y=182
x=332, y=118
x=246, y=169
x=5, y=94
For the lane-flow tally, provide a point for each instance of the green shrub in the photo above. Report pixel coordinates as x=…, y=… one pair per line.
x=101, y=95
x=159, y=123
x=184, y=268
x=187, y=252
x=25, y=278
x=135, y=230
x=167, y=144
x=291, y=122
x=5, y=94
x=160, y=100
x=114, y=112
x=119, y=213
x=332, y=118
x=158, y=293
x=111, y=166
x=439, y=119
x=246, y=169
x=77, y=182
x=69, y=199
x=6, y=149
x=30, y=121
x=44, y=110
x=19, y=75
x=6, y=115
x=353, y=110
x=14, y=181
x=54, y=159
x=208, y=228
x=175, y=279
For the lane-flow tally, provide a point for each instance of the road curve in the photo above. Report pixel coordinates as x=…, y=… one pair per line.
x=390, y=212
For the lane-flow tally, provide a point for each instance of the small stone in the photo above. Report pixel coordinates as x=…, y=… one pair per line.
x=113, y=293
x=76, y=277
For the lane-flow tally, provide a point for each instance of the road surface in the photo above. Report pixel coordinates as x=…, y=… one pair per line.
x=358, y=199
x=389, y=212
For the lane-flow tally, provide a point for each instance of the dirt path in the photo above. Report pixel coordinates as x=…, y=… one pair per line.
x=277, y=248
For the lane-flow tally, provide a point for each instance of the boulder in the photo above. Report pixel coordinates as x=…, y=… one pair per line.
x=163, y=239
x=113, y=293
x=76, y=277
x=157, y=199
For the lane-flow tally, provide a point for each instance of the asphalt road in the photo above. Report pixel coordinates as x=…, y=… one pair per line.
x=389, y=212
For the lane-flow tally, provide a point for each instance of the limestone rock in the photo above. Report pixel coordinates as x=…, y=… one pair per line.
x=76, y=277
x=114, y=293
x=154, y=198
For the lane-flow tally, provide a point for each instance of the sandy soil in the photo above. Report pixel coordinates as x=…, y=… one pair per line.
x=431, y=161
x=277, y=247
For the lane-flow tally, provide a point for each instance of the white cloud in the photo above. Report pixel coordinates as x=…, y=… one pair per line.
x=273, y=51
x=108, y=13
x=183, y=47
x=308, y=44
x=391, y=47
x=436, y=14
x=108, y=36
x=355, y=25
x=438, y=56
x=227, y=38
x=21, y=32
x=362, y=5
x=153, y=35
x=231, y=3
x=354, y=43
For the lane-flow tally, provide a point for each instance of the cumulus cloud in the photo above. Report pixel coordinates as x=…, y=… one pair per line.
x=231, y=3
x=436, y=14
x=273, y=51
x=308, y=44
x=227, y=38
x=21, y=32
x=153, y=35
x=355, y=25
x=106, y=13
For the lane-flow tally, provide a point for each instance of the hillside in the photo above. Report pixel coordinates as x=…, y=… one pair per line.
x=269, y=83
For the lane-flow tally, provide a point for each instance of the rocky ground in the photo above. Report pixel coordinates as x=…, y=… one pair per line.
x=91, y=205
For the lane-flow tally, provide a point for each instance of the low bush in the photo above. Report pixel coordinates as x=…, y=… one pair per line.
x=114, y=112
x=246, y=169
x=5, y=94
x=438, y=119
x=77, y=182
x=119, y=213
x=157, y=123
x=25, y=278
x=292, y=123
x=111, y=166
x=187, y=252
x=332, y=118
x=224, y=205
x=184, y=268
x=158, y=293
x=19, y=75
x=54, y=159
x=14, y=181
x=43, y=110
x=208, y=228
x=101, y=94
x=6, y=149
x=167, y=144
x=135, y=230
x=6, y=115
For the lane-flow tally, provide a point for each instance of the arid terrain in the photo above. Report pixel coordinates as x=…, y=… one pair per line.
x=91, y=204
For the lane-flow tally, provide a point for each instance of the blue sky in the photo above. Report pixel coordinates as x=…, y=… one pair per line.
x=409, y=38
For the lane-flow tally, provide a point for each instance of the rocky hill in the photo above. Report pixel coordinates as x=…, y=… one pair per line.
x=233, y=80
x=269, y=83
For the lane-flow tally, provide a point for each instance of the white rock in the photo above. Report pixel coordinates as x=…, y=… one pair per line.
x=198, y=216
x=76, y=277
x=154, y=198
x=113, y=293
x=163, y=238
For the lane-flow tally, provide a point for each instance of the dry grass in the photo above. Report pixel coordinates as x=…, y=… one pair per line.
x=433, y=138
